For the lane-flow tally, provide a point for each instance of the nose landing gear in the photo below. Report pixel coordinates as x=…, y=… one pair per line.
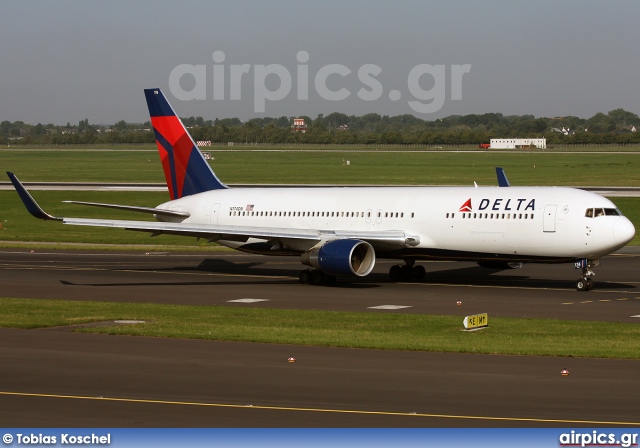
x=585, y=282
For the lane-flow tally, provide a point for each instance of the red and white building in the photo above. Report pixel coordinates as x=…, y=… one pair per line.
x=298, y=125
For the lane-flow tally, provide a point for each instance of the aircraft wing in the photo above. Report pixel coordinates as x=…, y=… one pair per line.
x=214, y=232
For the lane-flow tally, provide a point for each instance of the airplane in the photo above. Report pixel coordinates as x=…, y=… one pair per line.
x=341, y=231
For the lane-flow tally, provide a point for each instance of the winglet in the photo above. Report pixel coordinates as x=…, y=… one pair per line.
x=29, y=202
x=502, y=178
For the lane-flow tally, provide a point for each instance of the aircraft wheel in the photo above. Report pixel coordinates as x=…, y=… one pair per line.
x=330, y=280
x=394, y=272
x=419, y=272
x=406, y=272
x=305, y=276
x=590, y=284
x=582, y=284
x=317, y=277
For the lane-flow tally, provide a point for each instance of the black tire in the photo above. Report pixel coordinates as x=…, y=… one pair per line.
x=304, y=276
x=317, y=277
x=330, y=280
x=406, y=272
x=394, y=272
x=582, y=284
x=590, y=284
x=419, y=272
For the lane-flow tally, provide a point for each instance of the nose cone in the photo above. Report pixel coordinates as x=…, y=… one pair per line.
x=623, y=231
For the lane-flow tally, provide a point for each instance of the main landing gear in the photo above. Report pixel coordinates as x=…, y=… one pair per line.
x=585, y=282
x=407, y=272
x=316, y=277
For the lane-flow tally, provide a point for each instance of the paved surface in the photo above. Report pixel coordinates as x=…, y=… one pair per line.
x=216, y=278
x=53, y=377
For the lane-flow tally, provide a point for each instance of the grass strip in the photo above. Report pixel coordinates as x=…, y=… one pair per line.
x=371, y=330
x=294, y=167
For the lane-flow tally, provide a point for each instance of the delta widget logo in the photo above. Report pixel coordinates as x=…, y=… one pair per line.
x=466, y=207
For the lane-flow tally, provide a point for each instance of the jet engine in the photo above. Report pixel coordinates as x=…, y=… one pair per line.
x=342, y=257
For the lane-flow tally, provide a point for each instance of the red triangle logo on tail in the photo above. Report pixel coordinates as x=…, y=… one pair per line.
x=466, y=207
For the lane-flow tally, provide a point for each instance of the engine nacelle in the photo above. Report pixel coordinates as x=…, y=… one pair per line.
x=342, y=257
x=500, y=264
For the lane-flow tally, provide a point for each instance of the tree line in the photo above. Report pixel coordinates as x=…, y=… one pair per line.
x=616, y=127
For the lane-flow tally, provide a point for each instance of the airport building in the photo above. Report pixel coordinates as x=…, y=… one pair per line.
x=517, y=143
x=299, y=125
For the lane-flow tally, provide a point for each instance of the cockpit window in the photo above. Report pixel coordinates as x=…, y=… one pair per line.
x=612, y=212
x=595, y=212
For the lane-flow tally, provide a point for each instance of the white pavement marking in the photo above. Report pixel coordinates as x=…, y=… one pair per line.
x=248, y=300
x=389, y=307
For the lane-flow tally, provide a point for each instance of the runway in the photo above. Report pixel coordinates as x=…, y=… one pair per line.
x=54, y=377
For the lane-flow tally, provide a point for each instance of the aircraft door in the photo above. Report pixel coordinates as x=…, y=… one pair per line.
x=211, y=213
x=549, y=218
x=214, y=213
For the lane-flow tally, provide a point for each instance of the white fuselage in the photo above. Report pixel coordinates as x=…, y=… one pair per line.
x=542, y=224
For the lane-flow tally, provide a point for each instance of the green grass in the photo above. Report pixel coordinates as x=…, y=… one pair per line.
x=321, y=167
x=508, y=336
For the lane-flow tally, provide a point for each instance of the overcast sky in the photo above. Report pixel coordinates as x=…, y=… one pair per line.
x=63, y=61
